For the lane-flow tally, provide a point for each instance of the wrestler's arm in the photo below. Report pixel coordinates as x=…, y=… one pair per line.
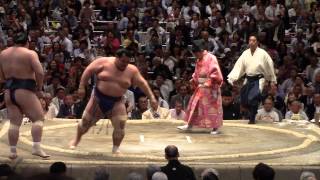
x=139, y=81
x=2, y=77
x=38, y=70
x=89, y=72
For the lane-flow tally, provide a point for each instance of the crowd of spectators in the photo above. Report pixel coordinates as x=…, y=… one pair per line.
x=173, y=170
x=69, y=34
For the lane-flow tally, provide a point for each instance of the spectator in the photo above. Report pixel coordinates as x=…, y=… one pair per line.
x=158, y=30
x=296, y=111
x=58, y=168
x=151, y=169
x=210, y=43
x=109, y=12
x=263, y=172
x=57, y=101
x=307, y=175
x=101, y=174
x=156, y=113
x=278, y=100
x=71, y=19
x=6, y=172
x=111, y=44
x=87, y=12
x=66, y=109
x=54, y=86
x=140, y=108
x=129, y=102
x=158, y=95
x=313, y=108
x=80, y=102
x=182, y=96
x=159, y=176
x=289, y=82
x=174, y=169
x=231, y=109
x=177, y=113
x=210, y=174
x=267, y=113
x=134, y=176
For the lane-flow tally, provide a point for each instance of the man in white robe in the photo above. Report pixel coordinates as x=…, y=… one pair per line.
x=257, y=66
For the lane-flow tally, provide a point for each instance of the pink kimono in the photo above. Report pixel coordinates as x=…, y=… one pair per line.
x=205, y=106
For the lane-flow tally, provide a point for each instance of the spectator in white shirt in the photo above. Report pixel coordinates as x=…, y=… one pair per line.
x=273, y=10
x=187, y=11
x=267, y=113
x=129, y=102
x=177, y=113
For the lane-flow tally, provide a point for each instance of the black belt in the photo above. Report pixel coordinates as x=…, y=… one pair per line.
x=254, y=78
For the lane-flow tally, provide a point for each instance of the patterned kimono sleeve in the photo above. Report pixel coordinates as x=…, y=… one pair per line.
x=214, y=72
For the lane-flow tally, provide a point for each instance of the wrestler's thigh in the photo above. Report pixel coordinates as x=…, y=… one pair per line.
x=92, y=112
x=14, y=113
x=30, y=104
x=119, y=113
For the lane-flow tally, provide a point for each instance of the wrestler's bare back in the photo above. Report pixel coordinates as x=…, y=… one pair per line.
x=112, y=81
x=18, y=62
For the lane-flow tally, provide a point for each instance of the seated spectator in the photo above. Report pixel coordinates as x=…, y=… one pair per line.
x=87, y=12
x=210, y=174
x=134, y=176
x=6, y=172
x=267, y=113
x=289, y=82
x=129, y=102
x=108, y=12
x=152, y=44
x=316, y=82
x=54, y=86
x=44, y=104
x=58, y=168
x=177, y=113
x=111, y=44
x=156, y=113
x=278, y=100
x=158, y=95
x=80, y=103
x=101, y=174
x=159, y=176
x=231, y=109
x=151, y=169
x=84, y=51
x=140, y=108
x=182, y=97
x=174, y=169
x=307, y=175
x=296, y=112
x=263, y=172
x=313, y=108
x=57, y=101
x=67, y=108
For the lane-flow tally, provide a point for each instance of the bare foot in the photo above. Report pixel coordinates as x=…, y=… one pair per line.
x=73, y=144
x=13, y=156
x=40, y=153
x=116, y=151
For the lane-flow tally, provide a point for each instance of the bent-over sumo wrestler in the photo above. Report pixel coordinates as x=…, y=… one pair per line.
x=114, y=75
x=22, y=75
